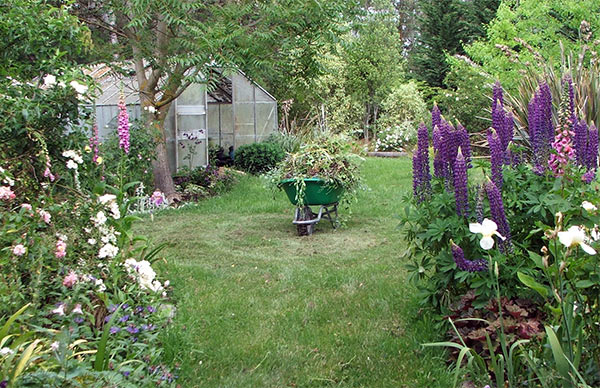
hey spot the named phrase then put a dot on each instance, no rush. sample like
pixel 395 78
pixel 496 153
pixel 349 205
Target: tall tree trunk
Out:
pixel 163 179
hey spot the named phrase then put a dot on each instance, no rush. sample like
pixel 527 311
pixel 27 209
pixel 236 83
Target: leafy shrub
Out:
pixel 204 182
pixel 404 103
pixel 466 97
pixel 288 142
pixel 257 158
pixel 397 137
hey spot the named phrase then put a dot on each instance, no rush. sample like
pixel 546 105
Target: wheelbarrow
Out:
pixel 316 193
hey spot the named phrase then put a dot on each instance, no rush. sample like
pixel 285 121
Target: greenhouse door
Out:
pixel 192 142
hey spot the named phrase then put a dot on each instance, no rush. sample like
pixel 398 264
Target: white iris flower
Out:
pixel 487 228
pixel 574 236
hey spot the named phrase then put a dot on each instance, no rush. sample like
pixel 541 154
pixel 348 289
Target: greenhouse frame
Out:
pixel 231 112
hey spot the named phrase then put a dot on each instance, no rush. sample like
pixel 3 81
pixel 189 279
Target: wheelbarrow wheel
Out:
pixel 305 214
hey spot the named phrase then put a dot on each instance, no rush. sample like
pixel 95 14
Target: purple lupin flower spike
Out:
pixel 498 215
pixel 509 130
pixel 464 144
pixel 467 265
pixel 496 156
pixel 423 151
pixel 497 117
pixel 592 148
pixel 498 93
pixel 479 204
pixel 438 159
pixel 450 144
pixel 436 116
pixel 461 191
pixel 546 111
pixel 580 141
pixel 417 178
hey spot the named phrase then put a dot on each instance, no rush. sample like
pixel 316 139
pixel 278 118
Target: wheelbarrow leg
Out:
pixel 304 214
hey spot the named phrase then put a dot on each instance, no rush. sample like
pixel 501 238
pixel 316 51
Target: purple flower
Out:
pixel 132 329
pixel 461 192
pixel 126 373
pixel 464 144
pixel 496 156
pixel 78 320
pixel 580 142
pixel 125 306
pixel 139 309
pixel 124 318
pixel 592 148
pixel 151 309
pixel 107 318
pixel 479 204
pixel 114 330
pixel 112 308
pixel 421 173
pixel 589 176
pixel 436 117
pixel 498 93
pixel 498 215
pixel 464 264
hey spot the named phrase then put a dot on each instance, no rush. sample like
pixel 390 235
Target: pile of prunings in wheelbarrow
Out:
pixel 317 178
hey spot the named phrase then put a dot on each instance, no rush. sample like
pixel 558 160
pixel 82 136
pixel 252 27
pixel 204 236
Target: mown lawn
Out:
pixel 259 306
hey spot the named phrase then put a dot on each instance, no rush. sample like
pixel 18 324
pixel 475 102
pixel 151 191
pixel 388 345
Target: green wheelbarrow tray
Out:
pixel 316 193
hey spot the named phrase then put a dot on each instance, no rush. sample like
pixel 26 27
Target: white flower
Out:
pixel 167 283
pixel 487 229
pixel 106 198
pixel 588 206
pixel 91 241
pixel 108 250
pixel 6 351
pixel 100 284
pixel 79 88
pixel 114 210
pixel 77 309
pixel 73 155
pixel 574 236
pixel 71 165
pixel 49 80
pixel 54 345
pixel 9 181
pixel 100 218
pixel 60 310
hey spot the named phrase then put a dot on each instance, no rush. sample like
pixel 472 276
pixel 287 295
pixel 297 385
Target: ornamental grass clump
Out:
pixel 330 158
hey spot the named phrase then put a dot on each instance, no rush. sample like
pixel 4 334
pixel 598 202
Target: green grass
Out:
pixel 259 306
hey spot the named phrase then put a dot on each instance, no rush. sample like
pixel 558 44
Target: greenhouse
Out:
pixel 231 112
